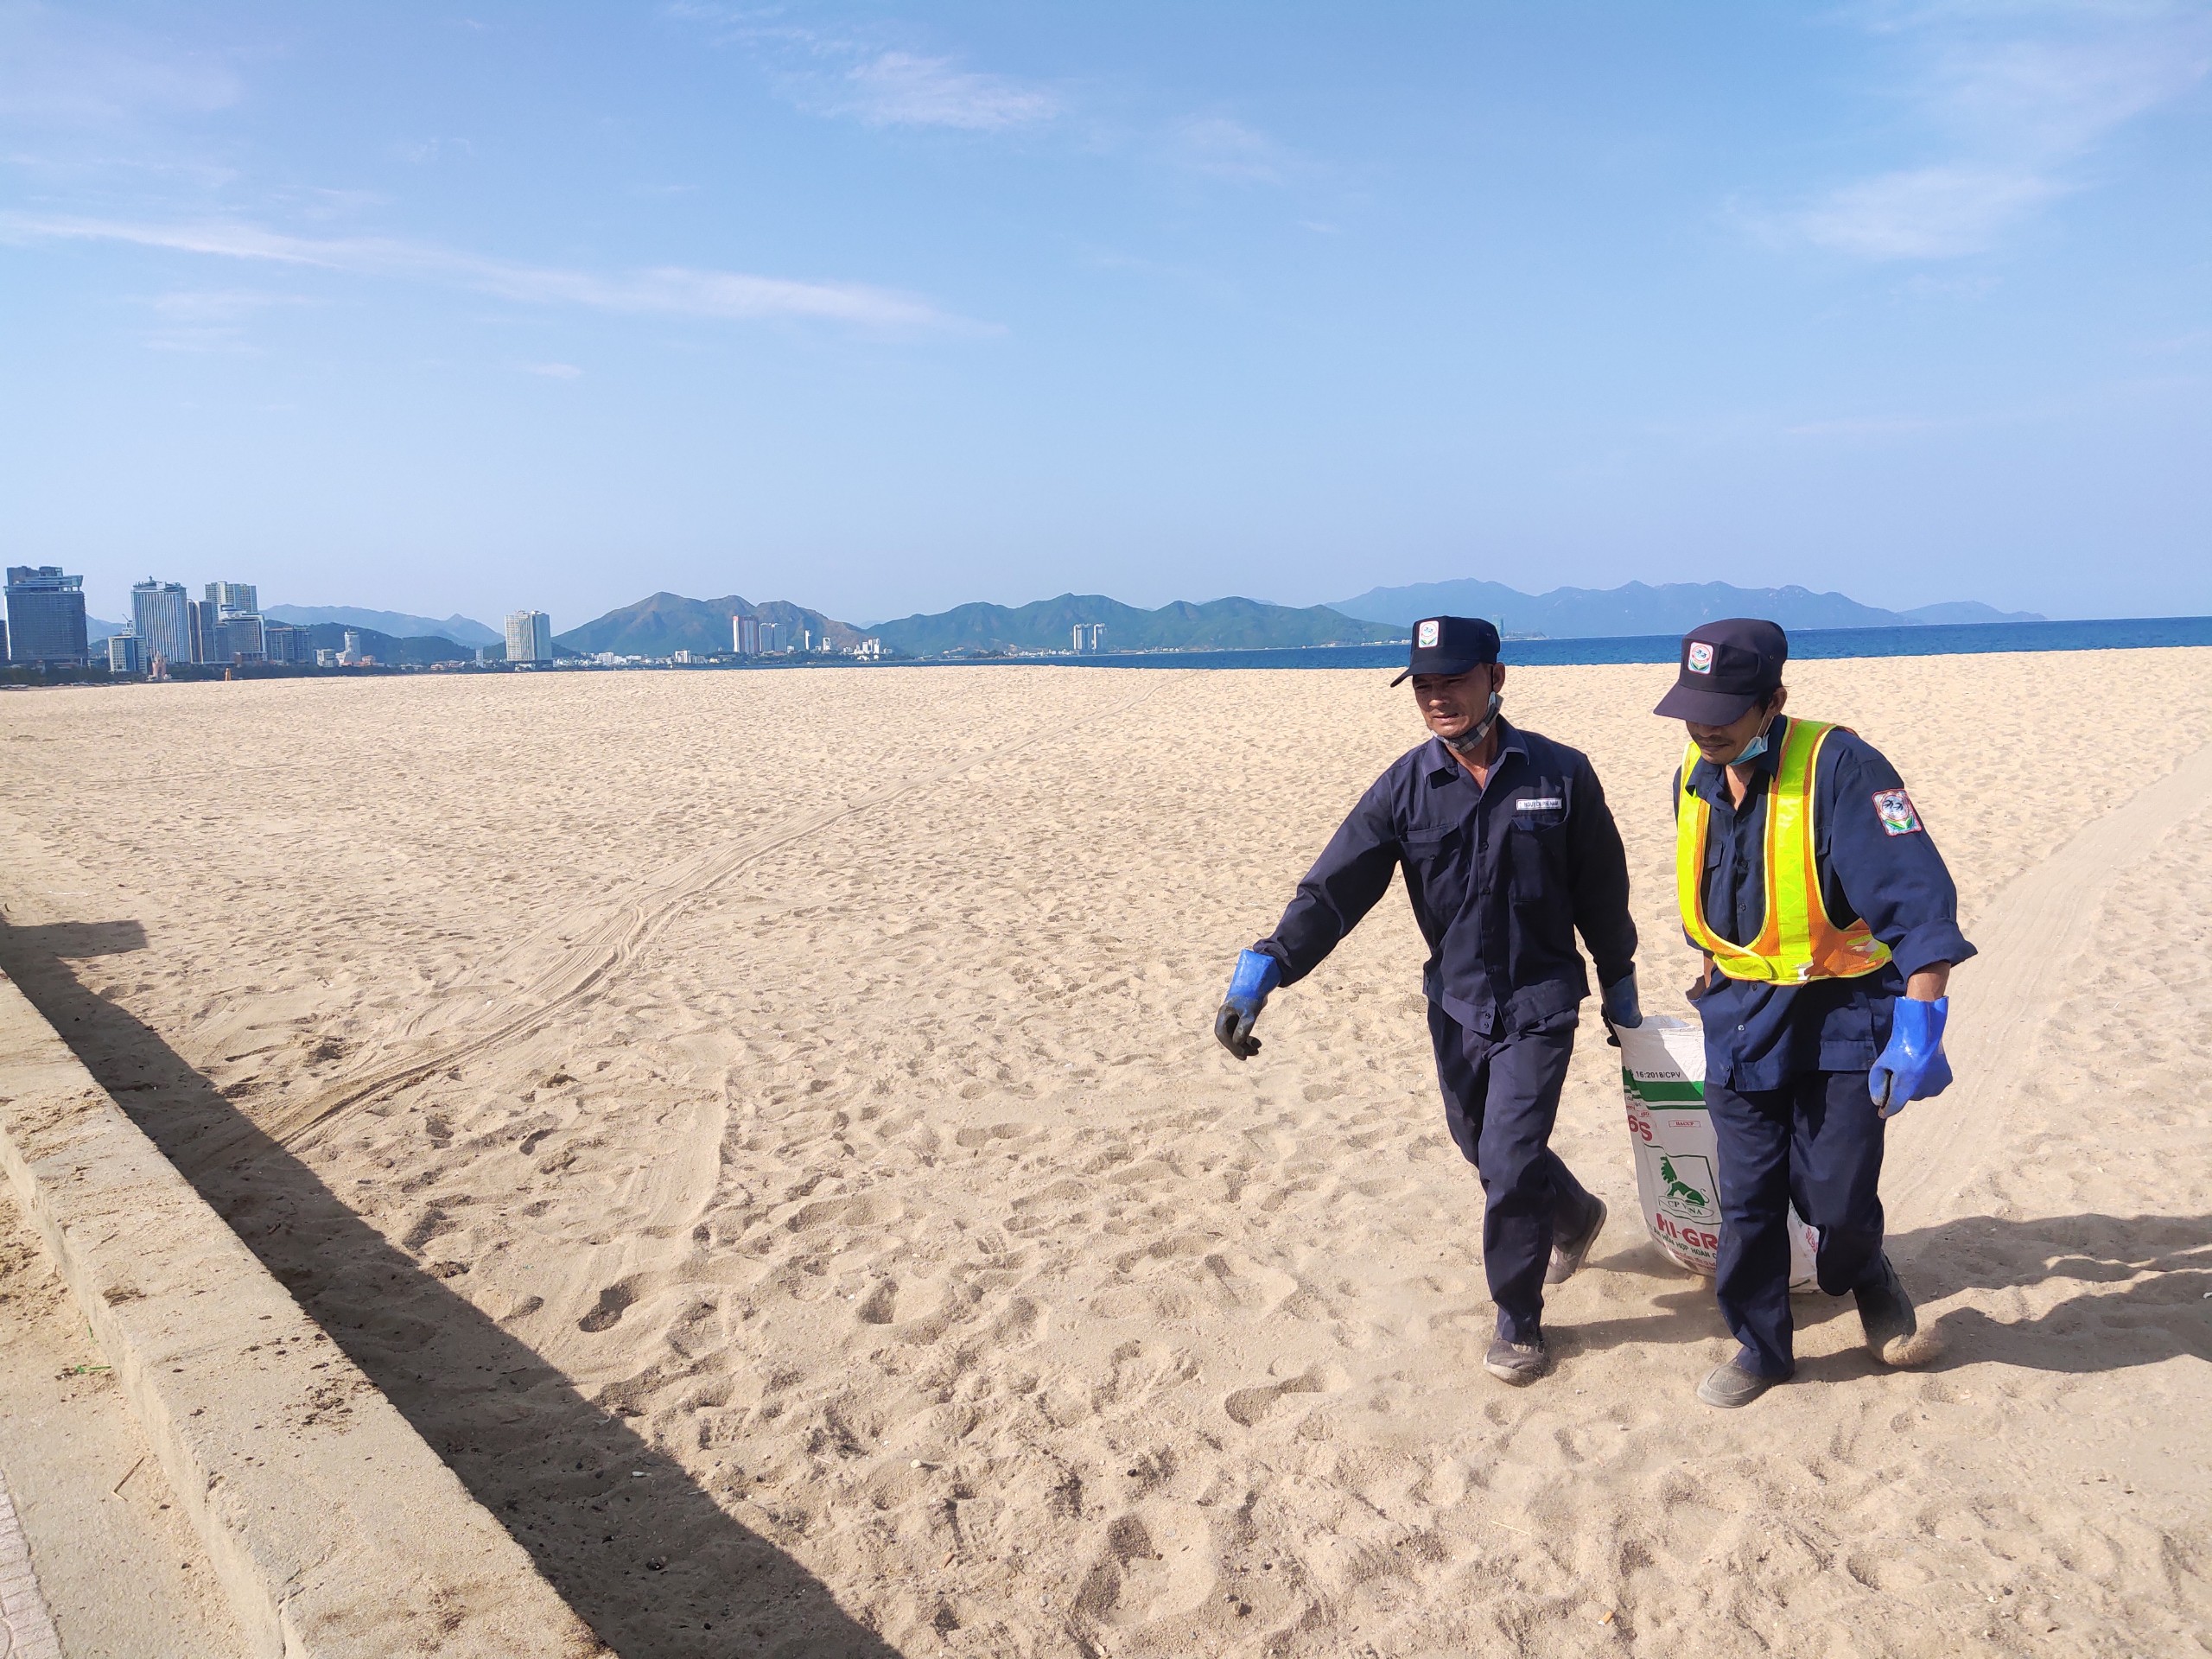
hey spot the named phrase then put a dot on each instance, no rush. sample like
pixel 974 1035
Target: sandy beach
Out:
pixel 765 1130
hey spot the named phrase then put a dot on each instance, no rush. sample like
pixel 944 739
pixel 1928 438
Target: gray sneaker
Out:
pixel 1730 1386
pixel 1568 1253
pixel 1517 1363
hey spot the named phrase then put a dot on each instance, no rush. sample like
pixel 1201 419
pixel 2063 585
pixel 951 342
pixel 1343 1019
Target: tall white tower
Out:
pixel 530 637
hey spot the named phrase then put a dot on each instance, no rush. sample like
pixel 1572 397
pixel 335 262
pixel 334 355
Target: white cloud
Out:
pixel 57 71
pixel 1927 212
pixel 218 304
pixel 553 371
pixel 672 290
pixel 1224 148
pixel 2017 98
pixel 879 86
pixel 900 89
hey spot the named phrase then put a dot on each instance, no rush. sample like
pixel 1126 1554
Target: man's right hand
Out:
pixel 1257 973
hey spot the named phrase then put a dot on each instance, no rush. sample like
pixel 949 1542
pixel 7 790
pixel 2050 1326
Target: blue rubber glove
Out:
pixel 1257 973
pixel 1912 1067
pixel 1620 1005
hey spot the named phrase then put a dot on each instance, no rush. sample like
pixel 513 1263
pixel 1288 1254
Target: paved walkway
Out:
pixel 95 1557
pixel 26 1630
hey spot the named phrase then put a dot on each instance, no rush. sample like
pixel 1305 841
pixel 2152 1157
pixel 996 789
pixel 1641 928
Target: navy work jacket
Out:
pixel 1500 876
pixel 1884 869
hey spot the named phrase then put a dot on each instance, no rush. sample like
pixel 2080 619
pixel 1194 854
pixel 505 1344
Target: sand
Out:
pixel 765 1129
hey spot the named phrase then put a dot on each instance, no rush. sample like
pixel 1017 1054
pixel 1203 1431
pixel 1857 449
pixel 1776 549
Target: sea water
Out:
pixel 1950 639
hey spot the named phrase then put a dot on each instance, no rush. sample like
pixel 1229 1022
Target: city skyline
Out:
pixel 894 311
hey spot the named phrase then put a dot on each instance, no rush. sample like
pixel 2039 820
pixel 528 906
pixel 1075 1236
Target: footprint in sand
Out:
pixel 1246 1407
pixel 1158 1563
pixel 612 1301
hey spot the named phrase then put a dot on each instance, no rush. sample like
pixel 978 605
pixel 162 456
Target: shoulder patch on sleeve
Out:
pixel 1894 808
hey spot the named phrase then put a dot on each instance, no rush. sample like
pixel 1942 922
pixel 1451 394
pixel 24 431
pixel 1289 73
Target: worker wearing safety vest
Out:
pixel 1829 926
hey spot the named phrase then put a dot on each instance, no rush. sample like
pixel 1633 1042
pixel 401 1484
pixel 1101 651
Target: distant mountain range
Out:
pixel 1047 625
pixel 662 624
pixel 461 630
pixel 415 650
pixel 1639 608
pixel 666 623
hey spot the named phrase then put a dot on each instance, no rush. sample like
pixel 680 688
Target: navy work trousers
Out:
pixel 1501 1097
pixel 1816 1142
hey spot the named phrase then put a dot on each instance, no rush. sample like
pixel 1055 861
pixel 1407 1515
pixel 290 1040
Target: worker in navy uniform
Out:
pixel 1508 849
pixel 1829 926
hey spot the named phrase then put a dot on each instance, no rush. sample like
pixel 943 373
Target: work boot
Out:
pixel 1568 1253
pixel 1893 1328
pixel 1517 1363
pixel 1732 1385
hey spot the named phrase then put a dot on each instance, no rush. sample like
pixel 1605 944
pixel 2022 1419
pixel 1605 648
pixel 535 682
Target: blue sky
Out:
pixel 883 309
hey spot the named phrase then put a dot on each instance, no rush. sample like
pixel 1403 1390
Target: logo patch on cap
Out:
pixel 1894 808
pixel 1700 658
pixel 1427 635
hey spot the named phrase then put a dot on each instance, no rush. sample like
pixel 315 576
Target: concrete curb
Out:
pixel 337 1532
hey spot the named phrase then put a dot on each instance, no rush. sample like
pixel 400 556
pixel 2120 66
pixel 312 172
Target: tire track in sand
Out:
pixel 2030 942
pixel 609 945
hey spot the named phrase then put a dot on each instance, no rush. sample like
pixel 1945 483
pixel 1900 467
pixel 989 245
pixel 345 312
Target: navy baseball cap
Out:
pixel 1449 645
pixel 1726 666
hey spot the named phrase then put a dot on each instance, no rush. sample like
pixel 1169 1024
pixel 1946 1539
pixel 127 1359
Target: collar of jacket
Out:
pixel 1442 761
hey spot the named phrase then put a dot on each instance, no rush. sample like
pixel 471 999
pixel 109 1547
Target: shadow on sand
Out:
pixel 2145 1283
pixel 649 1560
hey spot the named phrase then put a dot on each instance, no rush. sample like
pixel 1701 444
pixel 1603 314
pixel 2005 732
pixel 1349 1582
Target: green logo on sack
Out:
pixel 1688 1180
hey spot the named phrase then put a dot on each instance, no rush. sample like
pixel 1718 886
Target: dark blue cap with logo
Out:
pixel 1450 645
pixel 1726 666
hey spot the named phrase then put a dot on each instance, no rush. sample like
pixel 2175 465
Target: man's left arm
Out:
pixel 1599 872
pixel 1892 874
pixel 1888 865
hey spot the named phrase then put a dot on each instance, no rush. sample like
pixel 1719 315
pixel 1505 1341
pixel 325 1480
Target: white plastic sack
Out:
pixel 1677 1157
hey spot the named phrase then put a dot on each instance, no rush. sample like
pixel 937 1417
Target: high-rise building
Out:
pixel 202 631
pixel 350 653
pixel 530 637
pixel 744 635
pixel 239 637
pixel 3 640
pixel 157 613
pixel 46 615
pixel 123 654
pixel 771 636
pixel 283 643
pixel 234 598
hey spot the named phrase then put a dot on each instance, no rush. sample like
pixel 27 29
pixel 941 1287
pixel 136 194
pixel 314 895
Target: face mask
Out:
pixel 1755 748
pixel 1471 739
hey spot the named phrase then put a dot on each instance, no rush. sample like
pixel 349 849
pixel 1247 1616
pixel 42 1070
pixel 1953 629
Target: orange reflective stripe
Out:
pixel 1797 942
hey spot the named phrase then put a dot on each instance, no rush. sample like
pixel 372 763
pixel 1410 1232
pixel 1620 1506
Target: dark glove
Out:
pixel 1257 973
pixel 1619 1007
pixel 1912 1067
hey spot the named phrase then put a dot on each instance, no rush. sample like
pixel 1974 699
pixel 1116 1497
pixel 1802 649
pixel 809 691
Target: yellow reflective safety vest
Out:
pixel 1798 941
